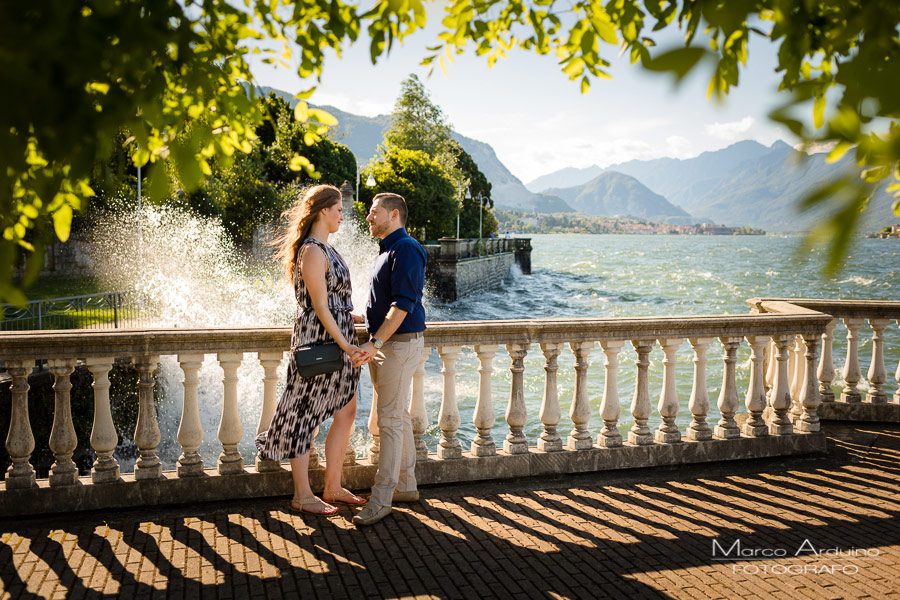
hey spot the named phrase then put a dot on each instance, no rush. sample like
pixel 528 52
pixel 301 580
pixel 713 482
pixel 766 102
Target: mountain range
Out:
pixel 746 183
pixel 616 194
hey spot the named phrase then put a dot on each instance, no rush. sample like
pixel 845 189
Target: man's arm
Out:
pixel 392 321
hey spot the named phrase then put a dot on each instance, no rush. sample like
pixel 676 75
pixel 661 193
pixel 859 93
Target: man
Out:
pixel 395 320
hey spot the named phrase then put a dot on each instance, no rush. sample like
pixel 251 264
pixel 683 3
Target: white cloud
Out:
pixel 357 106
pixel 732 130
pixel 679 147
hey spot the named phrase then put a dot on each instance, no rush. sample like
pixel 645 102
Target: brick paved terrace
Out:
pixel 639 533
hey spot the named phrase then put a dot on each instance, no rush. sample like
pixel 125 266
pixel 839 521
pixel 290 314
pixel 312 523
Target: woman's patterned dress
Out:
pixel 307 401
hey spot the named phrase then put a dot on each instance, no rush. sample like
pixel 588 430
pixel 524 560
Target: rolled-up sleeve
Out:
pixel 407 277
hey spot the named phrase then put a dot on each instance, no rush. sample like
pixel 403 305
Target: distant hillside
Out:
pixel 363 135
pixel 745 184
pixel 614 194
pixel 564 178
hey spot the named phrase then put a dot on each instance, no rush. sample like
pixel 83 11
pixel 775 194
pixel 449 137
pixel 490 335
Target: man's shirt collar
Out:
pixel 386 244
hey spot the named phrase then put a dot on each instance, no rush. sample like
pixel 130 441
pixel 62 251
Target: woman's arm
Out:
pixel 313 267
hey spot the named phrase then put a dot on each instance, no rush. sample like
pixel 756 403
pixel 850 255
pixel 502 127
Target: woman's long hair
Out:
pixel 300 219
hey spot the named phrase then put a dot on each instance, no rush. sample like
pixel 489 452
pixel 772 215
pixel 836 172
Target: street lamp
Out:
pixel 480 199
pixel 370 181
pixel 461 196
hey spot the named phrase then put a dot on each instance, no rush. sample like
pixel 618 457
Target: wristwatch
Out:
pixel 376 342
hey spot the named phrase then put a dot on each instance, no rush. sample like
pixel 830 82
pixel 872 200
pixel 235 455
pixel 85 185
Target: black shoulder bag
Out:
pixel 319 358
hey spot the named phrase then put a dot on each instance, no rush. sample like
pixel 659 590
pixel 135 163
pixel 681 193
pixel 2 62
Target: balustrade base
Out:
pixel 863 411
pixel 579 443
pixel 267 465
pixel 726 432
pixel 698 435
pixel 107 475
pixel 876 398
pixel 482 449
pixel 641 439
pixel 449 452
pixel 667 437
pixel 554 445
pixel 21 482
pixel 851 397
pixel 755 430
pixel 210 487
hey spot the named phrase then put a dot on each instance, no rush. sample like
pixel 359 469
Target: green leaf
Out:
pixel 679 61
pixel 819 112
pixel 62 222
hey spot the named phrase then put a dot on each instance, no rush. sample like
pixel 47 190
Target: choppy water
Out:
pixel 627 276
pixel 199 280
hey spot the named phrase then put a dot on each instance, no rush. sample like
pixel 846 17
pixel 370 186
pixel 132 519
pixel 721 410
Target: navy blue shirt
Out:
pixel 398 277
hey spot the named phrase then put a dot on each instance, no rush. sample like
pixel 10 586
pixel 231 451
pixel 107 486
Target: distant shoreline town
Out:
pixel 889 232
pixel 525 223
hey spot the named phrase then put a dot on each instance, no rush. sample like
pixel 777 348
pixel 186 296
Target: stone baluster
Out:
pixel 877 374
pixel 755 401
pixel 699 403
pixel 667 432
pixel 417 413
pixel 146 432
pixel 190 431
pixel 270 362
pixel 375 446
pixel 770 367
pixel 728 402
pixel 780 399
pixel 825 371
pixel 63 439
pixel 640 434
pixel 809 391
pixel 580 413
pixel 851 371
pixel 609 406
pixel 350 452
pixel 798 375
pixel 515 442
pixel 104 437
pixel 230 430
pixel 449 446
pixel 20 439
pixel 550 413
pixel 897 379
pixel 483 444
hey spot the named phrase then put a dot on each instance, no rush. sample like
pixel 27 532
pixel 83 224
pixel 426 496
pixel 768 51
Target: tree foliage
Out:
pixel 425 186
pixel 417 123
pixel 77 72
pixel 478 199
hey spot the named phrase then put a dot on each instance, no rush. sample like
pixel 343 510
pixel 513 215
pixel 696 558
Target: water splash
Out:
pixel 191 274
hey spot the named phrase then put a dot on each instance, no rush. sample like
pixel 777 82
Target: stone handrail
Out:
pixel 775 413
pixel 854 314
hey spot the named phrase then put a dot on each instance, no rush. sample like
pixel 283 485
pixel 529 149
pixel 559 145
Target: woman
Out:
pixel 321 282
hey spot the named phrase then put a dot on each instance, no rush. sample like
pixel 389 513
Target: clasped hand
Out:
pixel 358 356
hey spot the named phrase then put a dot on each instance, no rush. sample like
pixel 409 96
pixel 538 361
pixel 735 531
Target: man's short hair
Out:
pixel 393 202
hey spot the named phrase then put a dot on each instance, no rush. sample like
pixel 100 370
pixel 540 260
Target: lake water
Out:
pixel 574 276
pixel 604 276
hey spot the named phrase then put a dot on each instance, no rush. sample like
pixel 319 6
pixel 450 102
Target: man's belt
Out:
pixel 405 337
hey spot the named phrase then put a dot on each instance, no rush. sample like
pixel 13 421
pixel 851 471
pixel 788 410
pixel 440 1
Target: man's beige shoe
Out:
pixel 370 514
pixel 412 496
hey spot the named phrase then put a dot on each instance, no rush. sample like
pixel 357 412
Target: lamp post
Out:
pixel 461 196
pixel 480 199
pixel 370 181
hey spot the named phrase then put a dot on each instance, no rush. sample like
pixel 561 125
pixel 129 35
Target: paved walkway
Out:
pixel 668 532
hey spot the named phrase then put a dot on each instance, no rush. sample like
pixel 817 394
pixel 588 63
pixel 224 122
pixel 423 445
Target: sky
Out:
pixel 538 121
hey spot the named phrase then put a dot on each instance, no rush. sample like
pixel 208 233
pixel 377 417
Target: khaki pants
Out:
pixel 392 372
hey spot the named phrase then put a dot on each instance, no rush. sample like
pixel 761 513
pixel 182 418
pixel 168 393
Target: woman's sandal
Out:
pixel 300 506
pixel 343 496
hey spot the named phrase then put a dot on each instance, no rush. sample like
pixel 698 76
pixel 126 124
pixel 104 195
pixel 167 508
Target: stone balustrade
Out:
pixel 851 403
pixel 780 408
